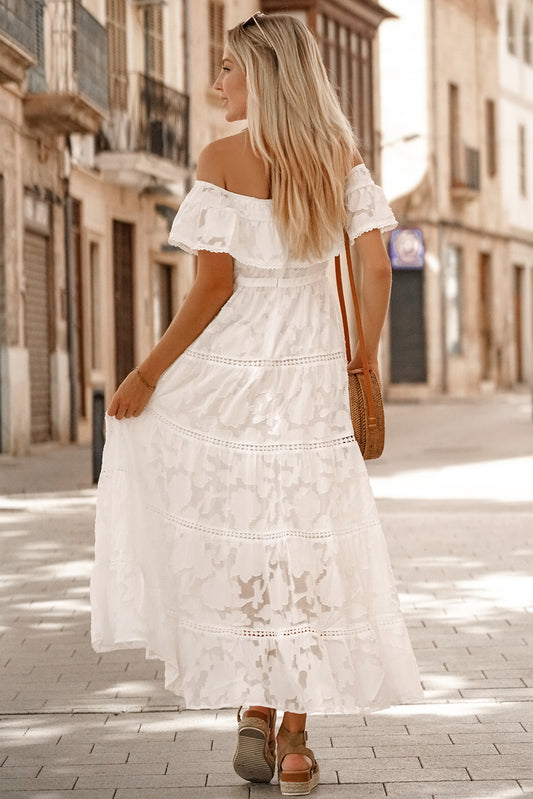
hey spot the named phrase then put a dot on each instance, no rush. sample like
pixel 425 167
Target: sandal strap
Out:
pixel 293 743
pixel 269 718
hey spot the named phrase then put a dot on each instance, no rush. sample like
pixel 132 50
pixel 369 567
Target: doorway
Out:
pixel 123 242
pixel 485 320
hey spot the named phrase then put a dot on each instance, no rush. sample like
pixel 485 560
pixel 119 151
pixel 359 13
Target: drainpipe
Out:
pixel 72 339
pixel 436 174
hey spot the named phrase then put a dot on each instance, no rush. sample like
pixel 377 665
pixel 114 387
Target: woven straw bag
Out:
pixel 366 403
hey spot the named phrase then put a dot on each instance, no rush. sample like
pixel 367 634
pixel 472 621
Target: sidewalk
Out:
pixel 455 491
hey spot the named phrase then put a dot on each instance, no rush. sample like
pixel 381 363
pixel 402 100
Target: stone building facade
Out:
pixel 446 164
pixel 104 107
pixel 515 153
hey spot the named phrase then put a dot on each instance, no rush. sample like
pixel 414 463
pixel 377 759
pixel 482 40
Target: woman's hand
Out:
pixel 356 364
pixel 130 398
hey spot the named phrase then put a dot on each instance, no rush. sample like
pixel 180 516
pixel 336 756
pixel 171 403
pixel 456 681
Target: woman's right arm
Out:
pixel 375 294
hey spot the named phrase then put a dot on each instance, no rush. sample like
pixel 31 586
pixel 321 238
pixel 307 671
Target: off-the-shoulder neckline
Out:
pixel 259 199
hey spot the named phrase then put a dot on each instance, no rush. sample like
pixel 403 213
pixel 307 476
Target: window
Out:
pixel 454 134
pixel 511 33
pixel 153 38
pixel 452 296
pixel 117 51
pixel 347 55
pixel 522 160
pixel 216 38
pixel 526 34
pixel 490 111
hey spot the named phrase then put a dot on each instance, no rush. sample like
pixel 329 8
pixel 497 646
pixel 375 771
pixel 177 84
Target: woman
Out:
pixel 237 537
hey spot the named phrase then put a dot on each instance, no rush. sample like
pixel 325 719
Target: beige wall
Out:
pixel 459 45
pixel 29 158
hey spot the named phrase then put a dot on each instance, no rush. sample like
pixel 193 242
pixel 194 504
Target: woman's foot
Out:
pixel 298 771
pixel 255 755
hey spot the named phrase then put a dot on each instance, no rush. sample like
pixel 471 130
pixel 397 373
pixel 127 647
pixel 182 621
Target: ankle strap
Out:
pixel 257 714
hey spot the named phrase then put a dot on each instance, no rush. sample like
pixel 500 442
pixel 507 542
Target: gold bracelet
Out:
pixel 143 379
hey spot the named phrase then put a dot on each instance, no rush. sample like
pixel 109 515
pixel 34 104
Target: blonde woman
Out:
pixel 237 537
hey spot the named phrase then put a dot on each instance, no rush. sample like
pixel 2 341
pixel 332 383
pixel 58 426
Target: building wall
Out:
pixel 516 109
pixel 31 165
pixel 416 73
pixel 104 199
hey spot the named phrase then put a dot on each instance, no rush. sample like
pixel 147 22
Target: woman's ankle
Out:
pixel 294 722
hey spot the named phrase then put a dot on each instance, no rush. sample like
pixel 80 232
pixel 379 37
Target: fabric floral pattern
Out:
pixel 237 537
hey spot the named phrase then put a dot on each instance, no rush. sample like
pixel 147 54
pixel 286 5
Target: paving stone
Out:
pixel 431 750
pixel 14 784
pixel 503 767
pixel 235 792
pixel 525 749
pixel 497 789
pixel 495 738
pixel 53 794
pixel 467 729
pixel 9 771
pixel 176 780
pixel 395 773
pixel 502 693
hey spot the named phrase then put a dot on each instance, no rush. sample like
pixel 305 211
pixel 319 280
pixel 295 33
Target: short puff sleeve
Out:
pixel 366 205
pixel 214 219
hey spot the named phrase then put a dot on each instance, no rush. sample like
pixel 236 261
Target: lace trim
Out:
pixel 355 631
pixel 245 535
pixel 299 361
pixel 296 446
pixel 383 227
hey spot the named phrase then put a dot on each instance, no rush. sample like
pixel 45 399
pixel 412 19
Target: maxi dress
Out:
pixel 237 537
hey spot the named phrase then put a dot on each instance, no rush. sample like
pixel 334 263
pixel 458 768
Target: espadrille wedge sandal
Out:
pixel 255 756
pixel 296 782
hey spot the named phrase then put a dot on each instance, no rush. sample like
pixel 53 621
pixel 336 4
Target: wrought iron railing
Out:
pixel 17 21
pixel 465 168
pixel 163 120
pixel 156 121
pixel 74 58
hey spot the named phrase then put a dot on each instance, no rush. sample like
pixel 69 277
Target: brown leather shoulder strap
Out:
pixel 360 332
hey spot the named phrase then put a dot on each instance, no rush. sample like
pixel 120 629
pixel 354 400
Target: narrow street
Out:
pixel 455 491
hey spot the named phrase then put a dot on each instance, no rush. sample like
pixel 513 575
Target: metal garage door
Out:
pixel 407 327
pixel 38 333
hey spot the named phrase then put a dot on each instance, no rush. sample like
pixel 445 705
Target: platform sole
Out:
pixel 249 761
pixel 299 788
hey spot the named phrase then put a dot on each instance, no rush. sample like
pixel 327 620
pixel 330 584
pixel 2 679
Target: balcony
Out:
pixel 145 144
pixel 465 173
pixel 18 39
pixel 67 90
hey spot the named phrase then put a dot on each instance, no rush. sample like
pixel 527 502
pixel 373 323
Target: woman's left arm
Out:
pixel 211 289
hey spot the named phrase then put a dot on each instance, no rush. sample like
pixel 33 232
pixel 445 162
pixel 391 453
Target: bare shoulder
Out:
pixel 357 160
pixel 210 164
pixel 214 159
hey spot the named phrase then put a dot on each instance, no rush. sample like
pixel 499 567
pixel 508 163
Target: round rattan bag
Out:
pixel 369 430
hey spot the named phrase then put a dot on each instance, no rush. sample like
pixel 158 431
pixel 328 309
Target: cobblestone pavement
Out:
pixel 454 490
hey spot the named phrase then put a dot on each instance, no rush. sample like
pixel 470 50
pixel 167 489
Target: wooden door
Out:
pixel 123 242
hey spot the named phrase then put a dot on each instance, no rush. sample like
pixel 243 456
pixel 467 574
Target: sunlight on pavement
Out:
pixel 507 480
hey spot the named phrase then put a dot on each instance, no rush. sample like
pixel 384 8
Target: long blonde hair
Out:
pixel 297 127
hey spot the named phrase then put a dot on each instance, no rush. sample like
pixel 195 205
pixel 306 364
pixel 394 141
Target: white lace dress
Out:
pixel 237 537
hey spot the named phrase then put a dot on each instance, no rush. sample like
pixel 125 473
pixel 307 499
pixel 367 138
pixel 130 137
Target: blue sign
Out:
pixel 406 248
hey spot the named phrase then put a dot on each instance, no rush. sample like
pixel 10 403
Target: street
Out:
pixel 455 493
